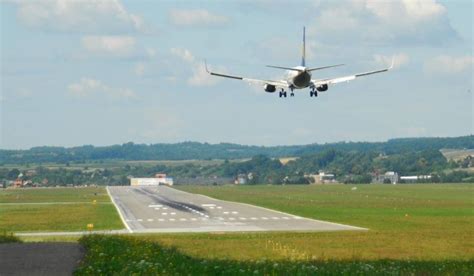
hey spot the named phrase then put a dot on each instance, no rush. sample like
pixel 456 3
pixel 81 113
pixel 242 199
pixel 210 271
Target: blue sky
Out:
pixel 108 72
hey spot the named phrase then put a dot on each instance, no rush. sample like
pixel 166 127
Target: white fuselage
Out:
pixel 299 78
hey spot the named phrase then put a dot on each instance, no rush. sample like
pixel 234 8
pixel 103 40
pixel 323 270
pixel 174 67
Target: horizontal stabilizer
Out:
pixel 285 68
pixel 324 67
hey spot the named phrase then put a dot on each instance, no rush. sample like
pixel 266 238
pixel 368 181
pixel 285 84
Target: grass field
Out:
pixel 424 222
pixel 414 229
pixel 56 209
pixel 122 255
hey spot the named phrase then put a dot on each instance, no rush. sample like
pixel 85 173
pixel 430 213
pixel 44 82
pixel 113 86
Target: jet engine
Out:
pixel 322 87
pixel 269 88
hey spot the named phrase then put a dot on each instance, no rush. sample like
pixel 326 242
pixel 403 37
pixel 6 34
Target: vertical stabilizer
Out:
pixel 303 54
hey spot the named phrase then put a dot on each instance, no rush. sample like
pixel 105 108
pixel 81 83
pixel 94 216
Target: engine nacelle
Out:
pixel 269 88
pixel 322 87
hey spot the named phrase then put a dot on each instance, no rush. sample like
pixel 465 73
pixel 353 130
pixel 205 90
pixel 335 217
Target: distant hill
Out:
pixel 204 151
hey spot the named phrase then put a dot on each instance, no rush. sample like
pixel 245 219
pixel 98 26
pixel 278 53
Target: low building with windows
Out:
pixel 159 179
pixel 415 178
pixel 387 178
pixel 321 178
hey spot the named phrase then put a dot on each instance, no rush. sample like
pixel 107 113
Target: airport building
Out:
pixel 321 178
pixel 415 178
pixel 159 179
pixel 387 178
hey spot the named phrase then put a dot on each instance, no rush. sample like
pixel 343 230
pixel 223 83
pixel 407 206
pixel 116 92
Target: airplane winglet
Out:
pixel 391 65
pixel 205 66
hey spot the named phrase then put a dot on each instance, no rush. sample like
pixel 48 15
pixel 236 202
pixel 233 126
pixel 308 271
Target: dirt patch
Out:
pixel 40 258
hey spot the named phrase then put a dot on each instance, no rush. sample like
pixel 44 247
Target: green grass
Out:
pixel 414 229
pixel 119 255
pixel 39 195
pixel 9 238
pixel 423 222
pixel 57 209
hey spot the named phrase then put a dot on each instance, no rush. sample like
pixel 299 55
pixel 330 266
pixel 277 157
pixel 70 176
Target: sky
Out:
pixel 105 72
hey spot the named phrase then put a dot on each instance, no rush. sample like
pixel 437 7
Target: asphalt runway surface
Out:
pixel 39 258
pixel 164 209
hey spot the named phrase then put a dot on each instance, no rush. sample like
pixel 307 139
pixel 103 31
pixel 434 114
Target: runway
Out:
pixel 164 209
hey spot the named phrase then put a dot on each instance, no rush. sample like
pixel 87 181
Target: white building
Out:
pixel 388 176
pixel 322 178
pixel 160 179
pixel 415 178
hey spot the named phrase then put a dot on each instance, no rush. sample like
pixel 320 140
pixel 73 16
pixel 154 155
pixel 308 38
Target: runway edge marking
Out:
pixel 118 210
pixel 268 209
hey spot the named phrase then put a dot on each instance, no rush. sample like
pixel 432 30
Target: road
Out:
pixel 164 209
pixel 50 258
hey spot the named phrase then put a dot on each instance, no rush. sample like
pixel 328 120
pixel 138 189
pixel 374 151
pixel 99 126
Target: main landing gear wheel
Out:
pixel 282 93
pixel 313 93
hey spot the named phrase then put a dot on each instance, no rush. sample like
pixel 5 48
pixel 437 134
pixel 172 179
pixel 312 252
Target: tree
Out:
pixel 13 174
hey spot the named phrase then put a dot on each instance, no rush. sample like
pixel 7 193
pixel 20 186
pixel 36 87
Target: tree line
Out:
pixel 348 167
pixel 204 151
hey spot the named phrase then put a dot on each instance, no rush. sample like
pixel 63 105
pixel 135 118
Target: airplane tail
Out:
pixel 303 54
pixel 303 60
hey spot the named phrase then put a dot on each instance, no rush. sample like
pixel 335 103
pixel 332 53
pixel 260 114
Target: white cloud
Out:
pixel 88 87
pixel 199 76
pixel 411 10
pixel 197 17
pixel 398 60
pixel 139 69
pixel 150 52
pixel 383 22
pixel 116 45
pixel 449 65
pixel 83 16
pixel 183 54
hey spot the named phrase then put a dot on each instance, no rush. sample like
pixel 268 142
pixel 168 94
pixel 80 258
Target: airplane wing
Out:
pixel 277 83
pixel 317 83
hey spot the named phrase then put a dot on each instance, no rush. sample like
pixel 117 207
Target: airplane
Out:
pixel 299 77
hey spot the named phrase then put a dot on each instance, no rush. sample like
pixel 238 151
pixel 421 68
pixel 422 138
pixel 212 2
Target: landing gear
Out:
pixel 292 94
pixel 313 92
pixel 282 93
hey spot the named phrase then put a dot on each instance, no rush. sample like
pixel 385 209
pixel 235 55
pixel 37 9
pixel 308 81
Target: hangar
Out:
pixel 159 179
